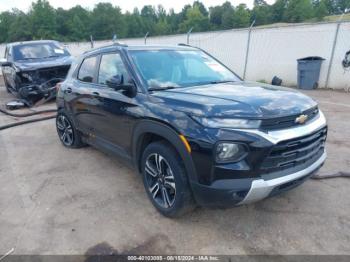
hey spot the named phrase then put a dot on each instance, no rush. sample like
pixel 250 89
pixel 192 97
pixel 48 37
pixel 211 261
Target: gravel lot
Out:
pixel 59 201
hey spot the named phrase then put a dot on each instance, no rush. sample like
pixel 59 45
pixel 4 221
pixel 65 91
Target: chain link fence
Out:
pixel 271 51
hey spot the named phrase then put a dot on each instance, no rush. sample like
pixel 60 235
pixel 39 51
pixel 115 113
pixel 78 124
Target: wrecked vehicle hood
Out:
pixel 238 99
pixel 35 64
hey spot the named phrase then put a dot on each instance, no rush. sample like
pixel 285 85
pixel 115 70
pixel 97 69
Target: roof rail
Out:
pixel 183 44
pixel 106 46
pixel 120 44
pixel 196 47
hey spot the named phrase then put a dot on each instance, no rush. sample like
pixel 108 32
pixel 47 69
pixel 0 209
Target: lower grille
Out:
pixel 295 152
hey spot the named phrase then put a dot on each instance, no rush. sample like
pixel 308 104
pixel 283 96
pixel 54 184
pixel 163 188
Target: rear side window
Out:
pixel 112 65
pixel 87 69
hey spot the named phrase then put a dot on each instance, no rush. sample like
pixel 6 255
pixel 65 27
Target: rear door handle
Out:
pixel 68 90
pixel 95 93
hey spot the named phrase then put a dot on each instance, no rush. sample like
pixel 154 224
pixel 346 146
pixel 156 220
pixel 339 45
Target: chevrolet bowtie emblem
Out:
pixel 301 119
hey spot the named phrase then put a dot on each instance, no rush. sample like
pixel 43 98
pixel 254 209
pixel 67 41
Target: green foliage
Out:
pixel 134 23
pixel 194 19
pixel 42 17
pixel 18 30
pixel 43 21
pixel 216 13
pixel 241 16
pixel 227 18
pixel 342 6
pixel 77 24
pixel 321 10
pixel 7 21
pixel 298 11
pixel 277 10
pixel 261 13
pixel 107 21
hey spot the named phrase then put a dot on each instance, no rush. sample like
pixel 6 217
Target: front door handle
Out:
pixel 95 93
pixel 68 90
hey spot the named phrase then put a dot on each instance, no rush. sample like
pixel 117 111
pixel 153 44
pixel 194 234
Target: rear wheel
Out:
pixel 68 134
pixel 165 180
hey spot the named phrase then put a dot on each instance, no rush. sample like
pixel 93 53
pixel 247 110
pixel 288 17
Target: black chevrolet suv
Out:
pixel 195 131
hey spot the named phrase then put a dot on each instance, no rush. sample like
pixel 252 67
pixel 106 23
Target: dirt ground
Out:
pixel 59 201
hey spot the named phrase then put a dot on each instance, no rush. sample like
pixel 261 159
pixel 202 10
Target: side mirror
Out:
pixel 4 62
pixel 117 83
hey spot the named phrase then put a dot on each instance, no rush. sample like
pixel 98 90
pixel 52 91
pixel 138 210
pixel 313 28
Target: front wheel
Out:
pixel 67 133
pixel 165 180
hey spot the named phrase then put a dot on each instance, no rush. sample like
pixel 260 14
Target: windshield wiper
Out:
pixel 223 81
pixel 28 58
pixel 160 88
pixel 51 56
pixel 36 58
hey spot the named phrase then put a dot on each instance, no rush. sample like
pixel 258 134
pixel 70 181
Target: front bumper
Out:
pixel 261 188
pixel 233 192
pixel 238 191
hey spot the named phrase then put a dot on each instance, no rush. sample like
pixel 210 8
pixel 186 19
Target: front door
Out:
pixel 113 117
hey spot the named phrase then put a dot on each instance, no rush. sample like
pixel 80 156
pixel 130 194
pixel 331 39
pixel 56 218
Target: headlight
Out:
pixel 227 122
pixel 28 76
pixel 229 152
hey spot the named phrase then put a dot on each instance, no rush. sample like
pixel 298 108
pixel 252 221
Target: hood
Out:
pixel 30 65
pixel 239 99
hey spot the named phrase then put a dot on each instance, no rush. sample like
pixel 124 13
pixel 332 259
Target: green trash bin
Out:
pixel 309 72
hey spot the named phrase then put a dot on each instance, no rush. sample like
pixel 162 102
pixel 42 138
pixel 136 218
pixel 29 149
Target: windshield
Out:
pixel 173 68
pixel 38 51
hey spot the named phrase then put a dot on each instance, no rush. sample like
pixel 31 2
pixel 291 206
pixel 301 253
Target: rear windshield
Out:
pixel 38 51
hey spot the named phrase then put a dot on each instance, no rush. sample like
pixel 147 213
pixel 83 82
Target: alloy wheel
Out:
pixel 65 130
pixel 160 180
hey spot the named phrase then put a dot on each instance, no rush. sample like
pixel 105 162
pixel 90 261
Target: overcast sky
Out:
pixel 124 4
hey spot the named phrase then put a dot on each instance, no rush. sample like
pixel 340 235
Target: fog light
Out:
pixel 229 152
pixel 240 195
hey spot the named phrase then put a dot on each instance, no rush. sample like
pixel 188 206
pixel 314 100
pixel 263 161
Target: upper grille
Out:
pixel 295 152
pixel 53 72
pixel 288 121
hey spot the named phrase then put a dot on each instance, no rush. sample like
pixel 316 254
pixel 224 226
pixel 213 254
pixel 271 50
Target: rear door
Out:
pixel 82 94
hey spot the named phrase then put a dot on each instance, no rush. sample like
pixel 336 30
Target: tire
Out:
pixel 165 180
pixel 69 136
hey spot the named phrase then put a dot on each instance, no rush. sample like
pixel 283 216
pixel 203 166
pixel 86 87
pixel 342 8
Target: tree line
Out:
pixel 104 21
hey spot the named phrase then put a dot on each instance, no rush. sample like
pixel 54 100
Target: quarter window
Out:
pixel 112 65
pixel 87 69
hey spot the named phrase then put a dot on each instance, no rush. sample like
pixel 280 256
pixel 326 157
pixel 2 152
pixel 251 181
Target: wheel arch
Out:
pixel 148 131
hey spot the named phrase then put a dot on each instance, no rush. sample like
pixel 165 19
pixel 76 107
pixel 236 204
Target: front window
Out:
pixel 112 65
pixel 174 68
pixel 38 51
